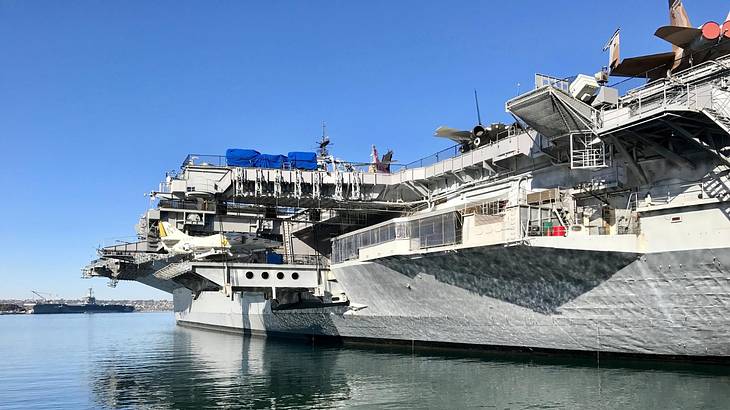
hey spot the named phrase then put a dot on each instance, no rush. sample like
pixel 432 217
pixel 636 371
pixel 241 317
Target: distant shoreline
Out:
pixel 22 306
pixel 26 313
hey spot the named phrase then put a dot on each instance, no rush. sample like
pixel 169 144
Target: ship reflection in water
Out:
pixel 199 368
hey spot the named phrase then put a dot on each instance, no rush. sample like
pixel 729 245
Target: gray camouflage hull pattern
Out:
pixel 673 303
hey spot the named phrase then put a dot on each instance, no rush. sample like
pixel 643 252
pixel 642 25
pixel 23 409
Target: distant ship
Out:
pixel 89 305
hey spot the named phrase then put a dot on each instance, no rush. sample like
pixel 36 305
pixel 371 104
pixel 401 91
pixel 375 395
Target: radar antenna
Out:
pixel 323 142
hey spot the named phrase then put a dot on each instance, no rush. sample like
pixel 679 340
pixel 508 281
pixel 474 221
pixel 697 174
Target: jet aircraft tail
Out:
pixel 678 16
pixel 169 232
pixel 679 33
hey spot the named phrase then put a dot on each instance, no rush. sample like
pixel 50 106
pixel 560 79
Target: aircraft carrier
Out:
pixel 598 221
pixel 87 305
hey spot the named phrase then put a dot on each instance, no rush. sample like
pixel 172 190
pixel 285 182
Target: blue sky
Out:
pixel 98 98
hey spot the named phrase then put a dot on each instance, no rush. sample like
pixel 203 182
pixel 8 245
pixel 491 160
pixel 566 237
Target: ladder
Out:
pixel 286 232
pixel 587 151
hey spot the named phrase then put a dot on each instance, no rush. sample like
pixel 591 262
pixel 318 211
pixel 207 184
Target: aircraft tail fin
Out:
pixel 375 160
pixel 678 15
pixel 168 231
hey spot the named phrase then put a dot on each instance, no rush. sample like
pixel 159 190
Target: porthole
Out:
pixel 265 275
pixel 295 276
pixel 249 275
pixel 280 275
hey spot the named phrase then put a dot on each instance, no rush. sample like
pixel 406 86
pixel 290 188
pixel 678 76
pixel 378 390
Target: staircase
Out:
pixel 174 270
pixel 716 186
pixel 719 118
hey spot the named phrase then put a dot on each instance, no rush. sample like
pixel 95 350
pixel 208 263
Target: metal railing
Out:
pixel 690 89
pixel 188 205
pixel 307 259
pixel 453 151
pixel 456 151
pixel 120 245
pixel 221 161
pixel 126 249
pixel 424 232
pixel 204 160
pixel 446 153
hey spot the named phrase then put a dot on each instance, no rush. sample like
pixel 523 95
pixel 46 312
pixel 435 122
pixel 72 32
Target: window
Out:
pixel 438 230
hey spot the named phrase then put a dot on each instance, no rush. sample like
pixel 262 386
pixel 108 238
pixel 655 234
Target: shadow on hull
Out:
pixel 540 279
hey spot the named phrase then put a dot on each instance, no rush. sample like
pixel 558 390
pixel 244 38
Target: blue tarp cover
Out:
pixel 241 157
pixel 253 159
pixel 270 161
pixel 274 258
pixel 303 160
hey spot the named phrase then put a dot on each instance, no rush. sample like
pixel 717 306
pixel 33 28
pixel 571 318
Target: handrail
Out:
pixel 204 160
pixel 453 151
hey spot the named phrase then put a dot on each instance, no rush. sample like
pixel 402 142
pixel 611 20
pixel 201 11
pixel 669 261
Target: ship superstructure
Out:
pixel 595 222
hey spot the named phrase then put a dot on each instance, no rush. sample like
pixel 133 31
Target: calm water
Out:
pixel 144 360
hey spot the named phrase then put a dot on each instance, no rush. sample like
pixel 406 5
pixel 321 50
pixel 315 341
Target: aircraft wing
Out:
pixel 454 134
pixel 681 37
pixel 639 66
pixel 250 242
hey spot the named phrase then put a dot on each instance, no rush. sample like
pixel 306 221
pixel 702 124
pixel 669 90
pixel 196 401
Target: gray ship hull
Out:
pixel 518 297
pixel 576 229
pixel 61 308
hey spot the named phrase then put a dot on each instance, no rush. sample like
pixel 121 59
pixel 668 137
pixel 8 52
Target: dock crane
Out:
pixel 44 298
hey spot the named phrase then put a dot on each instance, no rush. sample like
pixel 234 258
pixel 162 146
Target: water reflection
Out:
pixel 202 368
pixel 198 368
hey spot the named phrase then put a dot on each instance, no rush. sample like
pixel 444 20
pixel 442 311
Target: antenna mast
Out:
pixel 476 102
pixel 323 142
